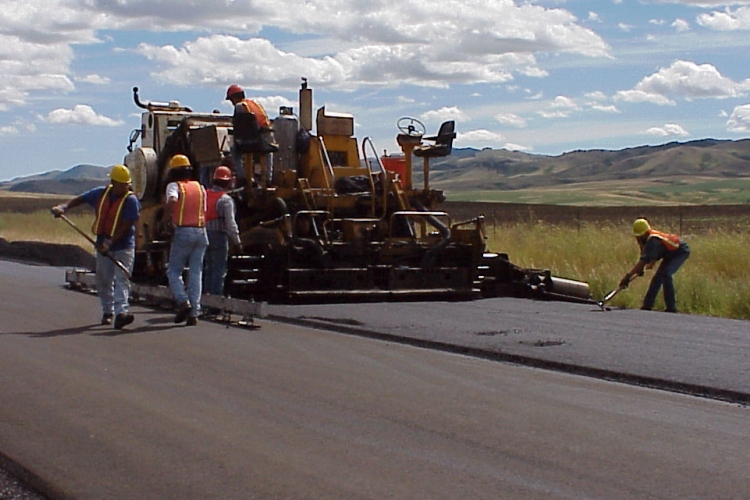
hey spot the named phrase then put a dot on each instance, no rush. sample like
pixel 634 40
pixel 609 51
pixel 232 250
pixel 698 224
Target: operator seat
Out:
pixel 443 142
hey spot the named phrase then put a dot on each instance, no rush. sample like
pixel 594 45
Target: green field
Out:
pixel 709 191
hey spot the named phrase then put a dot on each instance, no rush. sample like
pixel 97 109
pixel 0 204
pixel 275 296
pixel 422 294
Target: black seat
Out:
pixel 443 142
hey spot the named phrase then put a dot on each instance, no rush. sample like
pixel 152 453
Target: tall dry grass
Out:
pixel 712 282
pixel 43 226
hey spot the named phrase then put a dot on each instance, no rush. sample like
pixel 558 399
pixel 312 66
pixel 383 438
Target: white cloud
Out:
pixel 444 114
pixel 739 121
pixel 374 43
pixel 641 96
pixel 511 120
pixel 605 109
pixel 553 114
pixel 681 25
pixel 427 44
pixel 94 79
pixel 728 20
pixel 562 101
pixel 700 3
pixel 81 114
pixel 668 130
pixel 510 146
pixel 480 138
pixel 687 80
pixel 560 107
pixel 596 95
pixel 18 127
pixel 273 103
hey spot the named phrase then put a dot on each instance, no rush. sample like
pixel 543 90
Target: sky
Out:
pixel 543 77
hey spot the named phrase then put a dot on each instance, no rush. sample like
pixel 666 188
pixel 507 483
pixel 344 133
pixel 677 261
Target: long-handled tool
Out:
pixel 611 295
pixel 106 254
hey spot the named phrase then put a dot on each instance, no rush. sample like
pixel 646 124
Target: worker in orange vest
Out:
pixel 221 227
pixel 186 205
pixel 261 142
pixel 117 209
pixel 656 245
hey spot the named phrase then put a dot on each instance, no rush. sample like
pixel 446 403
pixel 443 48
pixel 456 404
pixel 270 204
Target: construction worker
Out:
pixel 186 205
pixel 117 209
pixel 221 227
pixel 236 95
pixel 255 137
pixel 654 246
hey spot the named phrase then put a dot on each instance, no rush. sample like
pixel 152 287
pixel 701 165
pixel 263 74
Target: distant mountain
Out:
pixel 703 167
pixel 73 181
pixel 510 170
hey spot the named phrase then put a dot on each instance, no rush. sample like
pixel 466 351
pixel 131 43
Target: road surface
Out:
pixel 159 411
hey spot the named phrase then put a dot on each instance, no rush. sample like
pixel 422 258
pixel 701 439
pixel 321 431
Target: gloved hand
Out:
pixel 58 210
pixel 625 281
pixel 104 246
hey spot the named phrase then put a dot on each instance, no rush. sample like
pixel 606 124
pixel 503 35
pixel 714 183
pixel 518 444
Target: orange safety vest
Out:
pixel 190 208
pixel 212 200
pixel 108 214
pixel 670 241
pixel 260 114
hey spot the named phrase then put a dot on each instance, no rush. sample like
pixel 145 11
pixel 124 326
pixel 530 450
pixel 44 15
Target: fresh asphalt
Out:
pixel 697 355
pixel 82 393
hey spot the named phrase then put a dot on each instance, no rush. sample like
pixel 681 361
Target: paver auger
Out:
pixel 323 217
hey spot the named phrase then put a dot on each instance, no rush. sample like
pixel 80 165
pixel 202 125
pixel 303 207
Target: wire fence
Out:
pixel 684 220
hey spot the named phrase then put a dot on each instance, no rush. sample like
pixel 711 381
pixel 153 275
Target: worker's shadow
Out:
pixel 152 325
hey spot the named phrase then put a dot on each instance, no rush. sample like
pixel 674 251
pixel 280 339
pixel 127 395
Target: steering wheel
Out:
pixel 411 126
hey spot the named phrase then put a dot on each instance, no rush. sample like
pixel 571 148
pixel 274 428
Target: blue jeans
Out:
pixel 112 285
pixel 215 263
pixel 187 250
pixel 663 278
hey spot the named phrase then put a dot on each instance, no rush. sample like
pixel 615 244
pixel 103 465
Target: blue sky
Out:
pixel 545 77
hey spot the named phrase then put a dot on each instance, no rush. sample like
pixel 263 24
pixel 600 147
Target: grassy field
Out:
pixel 699 191
pixel 26 217
pixel 591 244
pixel 712 282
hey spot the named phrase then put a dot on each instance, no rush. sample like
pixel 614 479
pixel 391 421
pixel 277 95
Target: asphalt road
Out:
pixel 677 352
pixel 163 411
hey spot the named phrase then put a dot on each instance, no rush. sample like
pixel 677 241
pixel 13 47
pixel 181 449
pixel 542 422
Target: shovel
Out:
pixel 611 295
pixel 106 254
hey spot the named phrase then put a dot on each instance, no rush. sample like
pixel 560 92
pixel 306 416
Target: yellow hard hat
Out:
pixel 120 173
pixel 641 227
pixel 179 161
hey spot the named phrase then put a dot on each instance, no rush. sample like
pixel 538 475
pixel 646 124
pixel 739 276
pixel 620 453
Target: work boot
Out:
pixel 182 312
pixel 123 319
pixel 107 318
pixel 191 321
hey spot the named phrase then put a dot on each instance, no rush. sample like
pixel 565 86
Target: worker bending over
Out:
pixel 655 245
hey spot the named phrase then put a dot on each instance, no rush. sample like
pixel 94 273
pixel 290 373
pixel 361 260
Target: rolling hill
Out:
pixel 705 171
pixel 699 172
pixel 73 181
